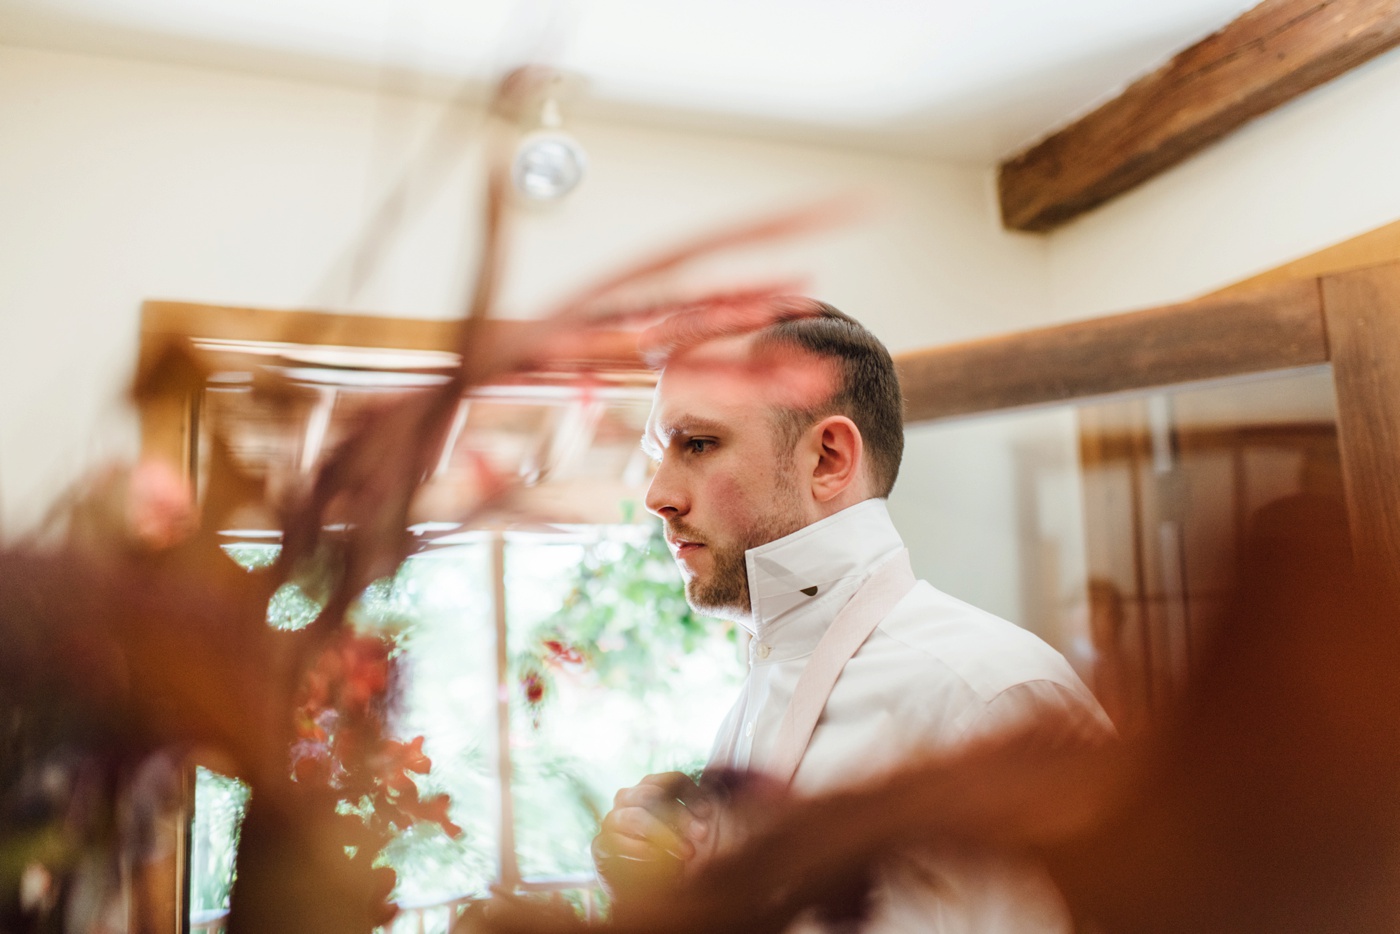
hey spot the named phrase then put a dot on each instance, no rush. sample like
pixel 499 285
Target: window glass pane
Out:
pixel 439 607
pixel 442 602
pixel 219 803
pixel 614 678
pixel 611 677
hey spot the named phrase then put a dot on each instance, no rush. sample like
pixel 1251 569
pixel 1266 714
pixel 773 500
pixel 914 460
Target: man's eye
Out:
pixel 699 445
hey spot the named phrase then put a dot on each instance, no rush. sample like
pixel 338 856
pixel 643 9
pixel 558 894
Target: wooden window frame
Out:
pixel 170 430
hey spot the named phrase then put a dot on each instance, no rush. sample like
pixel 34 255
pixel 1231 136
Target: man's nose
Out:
pixel 665 498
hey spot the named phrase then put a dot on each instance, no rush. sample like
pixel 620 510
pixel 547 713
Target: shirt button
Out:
pixel 748 728
pixel 764 650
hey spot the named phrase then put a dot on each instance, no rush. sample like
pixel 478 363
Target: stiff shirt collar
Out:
pixel 798 583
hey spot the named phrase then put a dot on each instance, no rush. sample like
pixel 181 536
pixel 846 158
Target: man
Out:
pixel 776 450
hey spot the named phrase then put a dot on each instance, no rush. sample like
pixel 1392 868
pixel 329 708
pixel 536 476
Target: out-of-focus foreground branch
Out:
pixel 135 640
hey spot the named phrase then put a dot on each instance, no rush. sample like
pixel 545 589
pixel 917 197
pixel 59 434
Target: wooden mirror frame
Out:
pixel 1348 319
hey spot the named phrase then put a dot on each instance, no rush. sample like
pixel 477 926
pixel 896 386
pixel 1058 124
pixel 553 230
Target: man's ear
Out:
pixel 840 454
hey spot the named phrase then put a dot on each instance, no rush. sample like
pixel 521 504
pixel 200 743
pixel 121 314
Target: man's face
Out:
pixel 724 484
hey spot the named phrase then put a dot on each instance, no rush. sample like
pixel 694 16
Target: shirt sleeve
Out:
pixel 1066 716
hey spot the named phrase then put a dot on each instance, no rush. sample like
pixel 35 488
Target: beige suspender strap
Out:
pixel 872 602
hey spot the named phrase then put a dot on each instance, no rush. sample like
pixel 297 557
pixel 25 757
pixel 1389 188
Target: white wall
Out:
pixel 122 181
pixel 1317 171
pixel 992 512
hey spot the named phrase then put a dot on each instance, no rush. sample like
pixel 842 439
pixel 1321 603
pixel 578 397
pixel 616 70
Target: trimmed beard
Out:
pixel 725 592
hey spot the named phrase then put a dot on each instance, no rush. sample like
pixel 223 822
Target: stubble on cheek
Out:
pixel 724 589
pixel 721 584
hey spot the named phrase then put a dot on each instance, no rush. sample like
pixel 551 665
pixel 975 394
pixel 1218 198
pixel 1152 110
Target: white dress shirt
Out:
pixel 935 673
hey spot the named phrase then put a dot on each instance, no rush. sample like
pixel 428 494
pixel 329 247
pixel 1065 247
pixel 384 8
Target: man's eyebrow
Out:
pixel 685 426
pixel 693 425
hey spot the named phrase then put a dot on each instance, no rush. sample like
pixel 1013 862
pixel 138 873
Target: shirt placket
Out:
pixel 755 692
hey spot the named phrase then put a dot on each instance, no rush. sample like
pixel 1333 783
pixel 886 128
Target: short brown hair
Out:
pixel 868 391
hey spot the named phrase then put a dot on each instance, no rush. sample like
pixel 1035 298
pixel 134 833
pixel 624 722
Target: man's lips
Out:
pixel 684 547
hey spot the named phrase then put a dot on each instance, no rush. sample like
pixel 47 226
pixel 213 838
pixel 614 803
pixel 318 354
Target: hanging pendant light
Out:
pixel 549 163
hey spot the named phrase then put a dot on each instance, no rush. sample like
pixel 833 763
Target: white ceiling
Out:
pixel 957 80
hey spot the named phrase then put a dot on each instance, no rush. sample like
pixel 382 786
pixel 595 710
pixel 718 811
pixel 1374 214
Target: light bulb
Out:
pixel 548 165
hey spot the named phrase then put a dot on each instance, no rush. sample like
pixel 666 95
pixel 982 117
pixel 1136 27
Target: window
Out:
pixel 594 689
pixel 587 674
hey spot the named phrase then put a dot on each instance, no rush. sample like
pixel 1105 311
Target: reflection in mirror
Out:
pixel 1107 527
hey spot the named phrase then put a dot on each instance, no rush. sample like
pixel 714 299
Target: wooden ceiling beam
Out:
pixel 1270 328
pixel 1271 54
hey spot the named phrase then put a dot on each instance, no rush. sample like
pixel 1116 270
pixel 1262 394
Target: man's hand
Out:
pixel 651 834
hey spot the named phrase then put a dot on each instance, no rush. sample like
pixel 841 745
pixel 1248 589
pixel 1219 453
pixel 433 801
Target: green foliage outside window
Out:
pixel 218 807
pixel 613 677
pixel 620 679
pixel 625 619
